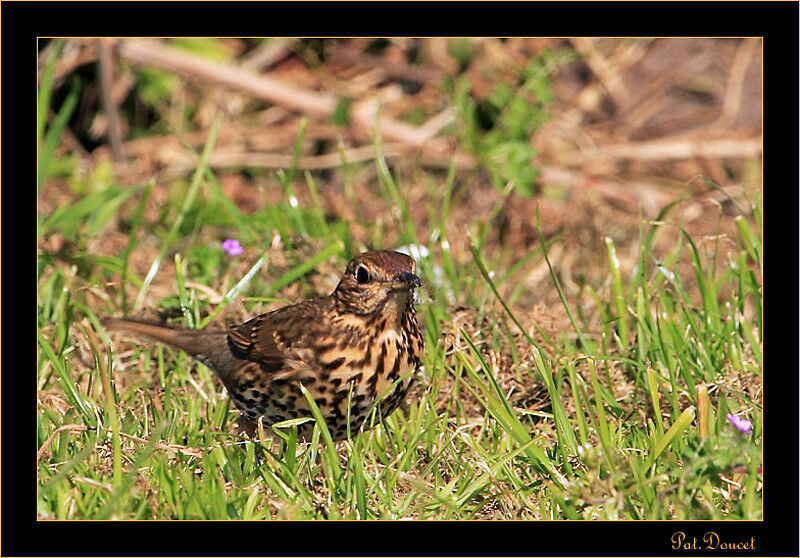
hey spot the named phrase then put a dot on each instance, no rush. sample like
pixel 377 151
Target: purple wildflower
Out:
pixel 742 425
pixel 232 247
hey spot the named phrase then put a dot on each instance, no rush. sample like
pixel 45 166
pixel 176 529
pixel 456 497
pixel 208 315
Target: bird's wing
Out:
pixel 278 334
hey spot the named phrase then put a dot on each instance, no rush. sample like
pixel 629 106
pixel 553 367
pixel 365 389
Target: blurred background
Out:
pixel 596 133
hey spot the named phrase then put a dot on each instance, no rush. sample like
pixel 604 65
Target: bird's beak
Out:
pixel 407 281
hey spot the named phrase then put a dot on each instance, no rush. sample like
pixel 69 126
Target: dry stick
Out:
pixel 626 56
pixel 240 159
pixel 605 72
pixel 311 162
pixel 82 428
pixel 575 179
pixel 106 77
pixel 391 69
pixel 119 90
pixel 69 139
pixel 267 55
pixel 266 88
pixel 733 93
pixel 69 62
pixel 653 95
pixel 365 113
pixel 141 51
pixel 257 138
pixel 657 150
pixel 629 195
pixel 43 57
pixel 435 124
pixel 670 149
pixel 185 450
pixel 56 432
pixel 122 86
pixel 363 82
pixel 213 296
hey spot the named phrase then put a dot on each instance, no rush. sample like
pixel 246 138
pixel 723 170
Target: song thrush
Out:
pixel 362 337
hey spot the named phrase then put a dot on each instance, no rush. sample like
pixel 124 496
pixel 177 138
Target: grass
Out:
pixel 590 455
pixel 143 432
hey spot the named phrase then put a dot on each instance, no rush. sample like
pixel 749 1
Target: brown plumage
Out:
pixel 360 338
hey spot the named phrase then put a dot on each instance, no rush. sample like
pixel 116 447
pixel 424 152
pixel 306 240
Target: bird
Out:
pixel 359 345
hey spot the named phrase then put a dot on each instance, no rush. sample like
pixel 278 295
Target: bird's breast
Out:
pixel 369 366
pixel 345 370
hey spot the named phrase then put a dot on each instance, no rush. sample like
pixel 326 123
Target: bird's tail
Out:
pixel 209 347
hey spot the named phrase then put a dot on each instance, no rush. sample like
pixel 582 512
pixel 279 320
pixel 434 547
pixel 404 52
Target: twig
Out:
pixel 437 50
pixel 43 56
pixel 92 482
pixel 74 55
pixel 670 149
pixel 255 137
pixel 590 97
pixel 627 55
pixel 733 93
pixel 605 72
pixel 365 113
pixel 241 159
pixel 183 162
pixel 140 51
pixel 653 96
pixel 309 162
pixel 122 85
pixel 534 278
pixel 106 78
pixel 167 447
pixel 435 124
pixel 391 69
pixel 56 432
pixel 267 55
pixel 213 296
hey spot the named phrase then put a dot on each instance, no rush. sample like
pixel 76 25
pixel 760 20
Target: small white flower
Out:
pixel 666 273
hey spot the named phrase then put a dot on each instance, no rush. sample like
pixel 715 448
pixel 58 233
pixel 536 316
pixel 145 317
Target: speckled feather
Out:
pixel 347 349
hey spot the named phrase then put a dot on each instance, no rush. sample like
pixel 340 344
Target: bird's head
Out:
pixel 380 280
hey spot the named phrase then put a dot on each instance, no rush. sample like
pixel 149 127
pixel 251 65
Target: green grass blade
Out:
pixel 497 405
pixel 46 91
pixel 109 395
pixel 601 423
pixel 88 214
pixel 575 326
pixel 332 465
pixel 132 243
pixel 652 385
pixel 235 290
pixel 681 424
pixel 619 297
pixel 359 479
pixel 187 203
pixel 53 135
pixel 578 401
pixel 67 383
pixel 304 267
pixel 564 433
pixel 389 186
pixel 486 277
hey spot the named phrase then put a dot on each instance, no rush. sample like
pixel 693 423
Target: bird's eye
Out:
pixel 362 275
